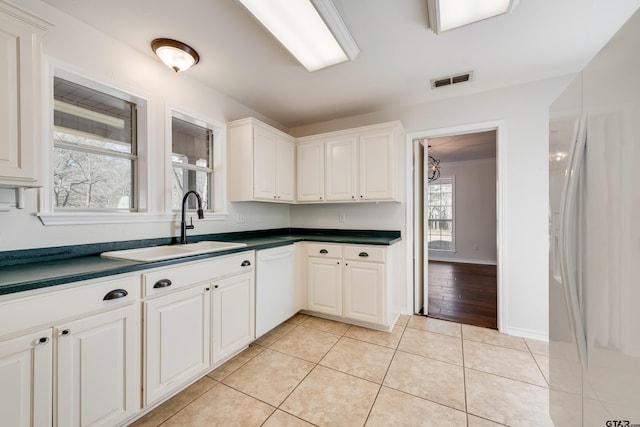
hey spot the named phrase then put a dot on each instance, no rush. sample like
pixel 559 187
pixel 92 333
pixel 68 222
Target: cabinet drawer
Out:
pixel 48 308
pixel 167 279
pixel 364 253
pixel 324 250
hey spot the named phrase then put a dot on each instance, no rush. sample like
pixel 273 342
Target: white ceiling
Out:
pixel 468 146
pixel 399 55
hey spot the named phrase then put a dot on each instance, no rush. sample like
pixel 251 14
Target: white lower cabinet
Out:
pixel 364 291
pixel 93 330
pixel 324 286
pixel 98 369
pixel 196 315
pixel 352 283
pixel 177 339
pixel 26 373
pixel 233 315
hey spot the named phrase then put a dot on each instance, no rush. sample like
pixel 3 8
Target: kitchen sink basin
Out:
pixel 160 253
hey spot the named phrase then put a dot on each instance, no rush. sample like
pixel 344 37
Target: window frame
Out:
pixel 90 149
pixel 217 209
pixel 153 205
pixel 49 215
pixel 450 180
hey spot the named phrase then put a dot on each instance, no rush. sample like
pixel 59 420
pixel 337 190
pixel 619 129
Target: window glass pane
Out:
pixel 106 121
pixel 89 180
pixel 185 180
pixel 440 215
pixel 190 144
pixel 191 148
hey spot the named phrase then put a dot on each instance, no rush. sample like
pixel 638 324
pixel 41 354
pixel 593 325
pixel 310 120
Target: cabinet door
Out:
pixel 264 164
pixel 341 168
pixel 364 291
pixel 325 285
pixel 177 337
pixel 19 96
pixel 233 315
pixel 25 380
pixel 284 170
pixel 376 166
pixel 310 172
pixel 98 369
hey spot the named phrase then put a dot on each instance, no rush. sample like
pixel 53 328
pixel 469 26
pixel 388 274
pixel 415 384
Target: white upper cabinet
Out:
pixel 360 164
pixel 285 166
pixel 342 168
pixel 310 164
pixel 265 145
pixel 20 97
pixel 261 163
pixel 377 172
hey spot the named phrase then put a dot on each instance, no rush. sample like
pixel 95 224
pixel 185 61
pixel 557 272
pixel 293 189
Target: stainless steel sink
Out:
pixel 160 253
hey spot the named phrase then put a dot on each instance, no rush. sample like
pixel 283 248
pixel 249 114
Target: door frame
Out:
pixel 414 290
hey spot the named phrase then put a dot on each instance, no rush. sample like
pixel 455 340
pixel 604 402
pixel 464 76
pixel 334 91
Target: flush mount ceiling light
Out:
pixel 311 30
pixel 175 55
pixel 445 15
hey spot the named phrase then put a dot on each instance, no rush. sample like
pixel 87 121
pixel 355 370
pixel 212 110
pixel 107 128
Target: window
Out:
pixel 441 215
pixel 95 154
pixel 192 160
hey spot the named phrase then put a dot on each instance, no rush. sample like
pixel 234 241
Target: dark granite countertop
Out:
pixel 29 269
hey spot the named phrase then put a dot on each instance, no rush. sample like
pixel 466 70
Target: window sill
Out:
pixel 92 218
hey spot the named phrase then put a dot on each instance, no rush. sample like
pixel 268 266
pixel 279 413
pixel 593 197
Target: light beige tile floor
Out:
pixel 427 372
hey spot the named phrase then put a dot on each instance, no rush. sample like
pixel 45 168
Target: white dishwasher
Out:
pixel 275 287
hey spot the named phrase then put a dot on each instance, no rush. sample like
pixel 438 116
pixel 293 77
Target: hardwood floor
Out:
pixel 464 293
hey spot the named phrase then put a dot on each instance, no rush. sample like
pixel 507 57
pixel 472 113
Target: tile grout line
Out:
pixel 464 379
pixel 509 378
pixel 395 351
pixel 234 371
pixel 316 364
pixel 183 407
pixel 538 364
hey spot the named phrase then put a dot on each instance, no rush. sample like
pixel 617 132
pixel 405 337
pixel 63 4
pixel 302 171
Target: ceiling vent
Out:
pixel 451 80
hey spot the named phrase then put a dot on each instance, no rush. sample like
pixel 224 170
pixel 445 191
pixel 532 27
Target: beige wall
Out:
pixel 475 211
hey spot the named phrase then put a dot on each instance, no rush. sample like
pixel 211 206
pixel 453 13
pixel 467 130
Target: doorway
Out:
pixel 456 224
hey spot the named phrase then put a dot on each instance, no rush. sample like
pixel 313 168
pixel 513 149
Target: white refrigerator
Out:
pixel 594 265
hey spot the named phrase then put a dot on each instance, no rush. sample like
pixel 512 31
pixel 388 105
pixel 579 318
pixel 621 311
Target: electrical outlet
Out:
pixel 239 219
pixel 342 217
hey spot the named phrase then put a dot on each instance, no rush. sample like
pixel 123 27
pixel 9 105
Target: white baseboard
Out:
pixel 462 260
pixel 528 333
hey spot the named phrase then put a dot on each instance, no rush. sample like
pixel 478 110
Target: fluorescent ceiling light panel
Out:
pixel 310 37
pixel 445 15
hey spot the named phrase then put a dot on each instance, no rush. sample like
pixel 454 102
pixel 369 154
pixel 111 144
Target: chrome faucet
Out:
pixel 184 227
